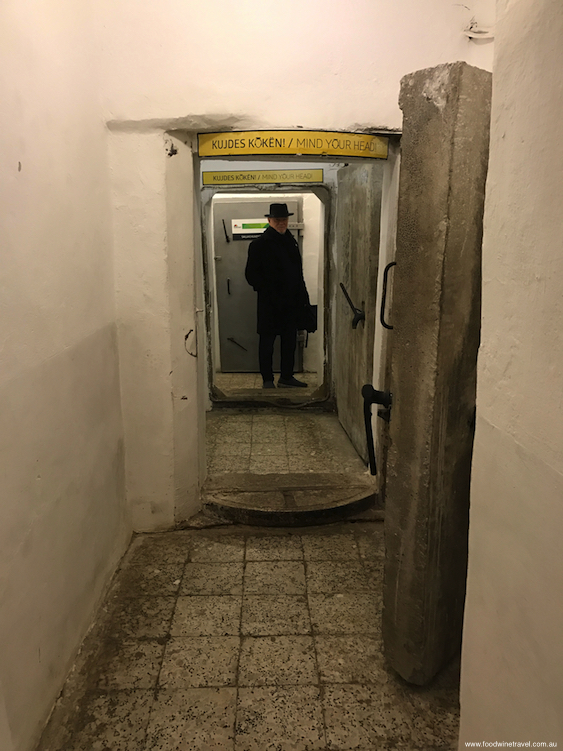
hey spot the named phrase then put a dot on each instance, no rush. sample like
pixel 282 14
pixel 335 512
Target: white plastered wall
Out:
pixel 157 297
pixel 261 63
pixel 63 523
pixel 512 661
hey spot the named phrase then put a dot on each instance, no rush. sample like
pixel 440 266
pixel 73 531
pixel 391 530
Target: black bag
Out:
pixel 307 319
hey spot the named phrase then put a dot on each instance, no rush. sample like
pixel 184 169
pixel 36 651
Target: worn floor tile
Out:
pixel 231 445
pixel 209 550
pixel 336 576
pixel 393 745
pixel 190 719
pixel 130 665
pixel 235 384
pixel 266 422
pixel 268 435
pixel 350 659
pixel 274 548
pixel 263 465
pixel 212 437
pixel 140 617
pixel 277 661
pixel 347 466
pixel 330 547
pixel 268 417
pixel 227 430
pixel 279 719
pixel 207 615
pixel 236 429
pixel 212 579
pixel 435 717
pixel 129 648
pixel 374 570
pixel 148 580
pixel 301 419
pixel 263 448
pixel 371 541
pixel 278 577
pixel 225 463
pixel 265 615
pixel 232 417
pixel 356 613
pixel 101 721
pixel 157 550
pixel 304 446
pixel 358 716
pixel 244 380
pixel 191 662
pixel 296 427
pixel 226 446
pixel 299 463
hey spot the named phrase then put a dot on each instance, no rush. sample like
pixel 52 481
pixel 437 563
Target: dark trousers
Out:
pixel 288 340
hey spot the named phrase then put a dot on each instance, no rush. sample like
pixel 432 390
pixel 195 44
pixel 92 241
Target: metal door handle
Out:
pixel 359 315
pixel 228 286
pixel 372 396
pixel 384 295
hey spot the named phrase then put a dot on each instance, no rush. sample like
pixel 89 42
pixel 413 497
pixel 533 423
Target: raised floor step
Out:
pixel 287 500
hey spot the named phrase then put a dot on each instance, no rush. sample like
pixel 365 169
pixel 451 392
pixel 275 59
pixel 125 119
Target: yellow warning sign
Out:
pixel 254 177
pixel 292 143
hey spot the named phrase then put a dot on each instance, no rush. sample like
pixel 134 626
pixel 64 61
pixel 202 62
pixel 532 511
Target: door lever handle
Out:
pixel 384 295
pixel 234 341
pixel 372 396
pixel 359 315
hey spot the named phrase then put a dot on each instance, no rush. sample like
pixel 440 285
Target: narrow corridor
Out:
pixel 245 639
pixel 276 441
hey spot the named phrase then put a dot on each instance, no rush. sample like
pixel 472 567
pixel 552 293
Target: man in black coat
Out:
pixel 275 270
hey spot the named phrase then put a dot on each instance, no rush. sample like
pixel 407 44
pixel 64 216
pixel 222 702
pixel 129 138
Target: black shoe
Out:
pixel 268 385
pixel 287 383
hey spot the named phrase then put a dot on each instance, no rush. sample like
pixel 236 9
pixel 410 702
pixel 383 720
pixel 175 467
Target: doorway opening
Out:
pixel 302 454
pixel 232 216
pixel 233 221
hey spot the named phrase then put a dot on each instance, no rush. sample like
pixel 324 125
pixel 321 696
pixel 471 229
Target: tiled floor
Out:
pixel 242 639
pixel 262 442
pixel 250 384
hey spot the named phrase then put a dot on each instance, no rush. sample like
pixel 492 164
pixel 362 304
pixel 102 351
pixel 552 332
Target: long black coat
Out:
pixel 275 270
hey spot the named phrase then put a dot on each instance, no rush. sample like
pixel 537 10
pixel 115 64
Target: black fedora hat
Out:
pixel 278 211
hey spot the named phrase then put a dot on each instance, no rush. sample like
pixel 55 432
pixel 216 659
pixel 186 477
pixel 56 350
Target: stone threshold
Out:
pixel 287 500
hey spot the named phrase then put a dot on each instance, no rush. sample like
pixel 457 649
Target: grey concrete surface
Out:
pixel 289 657
pixel 436 318
pixel 263 442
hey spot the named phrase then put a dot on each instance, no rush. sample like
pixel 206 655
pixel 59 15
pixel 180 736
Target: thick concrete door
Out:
pixel 435 337
pixel 358 216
